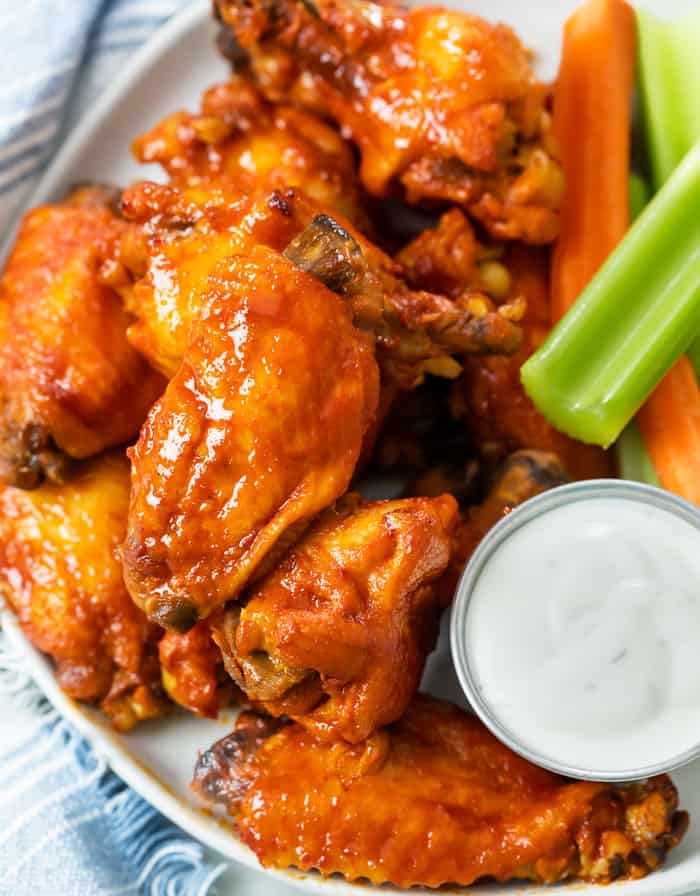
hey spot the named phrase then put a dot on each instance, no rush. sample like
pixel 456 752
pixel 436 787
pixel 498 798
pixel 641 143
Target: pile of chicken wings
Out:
pixel 335 280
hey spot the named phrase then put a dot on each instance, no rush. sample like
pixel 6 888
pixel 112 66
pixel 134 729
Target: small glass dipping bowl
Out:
pixel 482 597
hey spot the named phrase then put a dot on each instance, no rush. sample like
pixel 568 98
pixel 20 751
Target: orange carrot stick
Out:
pixel 592 112
pixel 591 122
pixel 670 426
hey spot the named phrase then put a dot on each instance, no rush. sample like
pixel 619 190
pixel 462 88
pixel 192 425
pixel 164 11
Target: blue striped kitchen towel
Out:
pixel 55 58
pixel 68 825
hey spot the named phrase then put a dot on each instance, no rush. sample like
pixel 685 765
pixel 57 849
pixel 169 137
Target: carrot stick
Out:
pixel 591 122
pixel 670 426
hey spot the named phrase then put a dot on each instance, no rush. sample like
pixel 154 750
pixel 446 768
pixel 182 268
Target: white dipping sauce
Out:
pixel 583 635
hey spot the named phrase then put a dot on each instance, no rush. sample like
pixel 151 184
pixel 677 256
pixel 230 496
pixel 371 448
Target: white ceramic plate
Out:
pixel 158 758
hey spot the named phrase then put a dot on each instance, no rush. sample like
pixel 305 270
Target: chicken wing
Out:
pixel 490 398
pixel 70 382
pixel 523 475
pixel 439 101
pixel 448 258
pixel 165 263
pixel 242 144
pixel 60 573
pixel 433 799
pixel 337 635
pixel 259 430
pixel 176 239
pixel 193 672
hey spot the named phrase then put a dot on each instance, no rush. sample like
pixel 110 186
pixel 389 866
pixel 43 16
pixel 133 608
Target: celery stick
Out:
pixel 636 316
pixel 640 194
pixel 668 76
pixel 632 457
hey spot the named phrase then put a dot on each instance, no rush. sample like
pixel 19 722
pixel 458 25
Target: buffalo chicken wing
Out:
pixel 241 144
pixel 260 429
pixel 192 671
pixel 439 101
pixel 60 573
pixel 179 236
pixel 337 635
pixel 431 800
pixel 70 382
pixel 489 396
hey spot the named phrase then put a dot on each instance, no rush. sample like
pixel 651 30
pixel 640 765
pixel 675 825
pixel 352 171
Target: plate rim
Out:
pixel 194 15
pixel 205 829
pixel 211 833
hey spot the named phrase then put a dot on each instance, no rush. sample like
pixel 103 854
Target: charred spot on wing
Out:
pixel 328 252
pixel 616 867
pixel 282 202
pixel 543 468
pixel 29 456
pixel 228 46
pixel 496 336
pixel 179 615
pixel 217 777
pixel 311 8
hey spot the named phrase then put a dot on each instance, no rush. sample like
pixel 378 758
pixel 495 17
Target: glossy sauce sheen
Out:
pixel 597 609
pixel 434 799
pixel 438 100
pixel 259 430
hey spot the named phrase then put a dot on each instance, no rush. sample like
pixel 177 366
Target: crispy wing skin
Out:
pixel 231 168
pixel 179 236
pixel 337 635
pixel 241 144
pixel 176 240
pixel 480 140
pixel 448 258
pixel 522 475
pixel 192 671
pixel 70 382
pixel 259 430
pixel 60 573
pixel 489 396
pixel 434 799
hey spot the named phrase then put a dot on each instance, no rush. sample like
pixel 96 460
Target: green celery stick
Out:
pixel 632 457
pixel 637 315
pixel 640 194
pixel 668 78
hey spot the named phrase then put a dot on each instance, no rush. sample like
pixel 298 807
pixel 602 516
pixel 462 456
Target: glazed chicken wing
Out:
pixel 438 101
pixel 166 260
pixel 259 430
pixel 489 396
pixel 176 239
pixel 241 144
pixel 60 573
pixel 522 475
pixel 433 799
pixel 337 635
pixel 230 170
pixel 70 382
